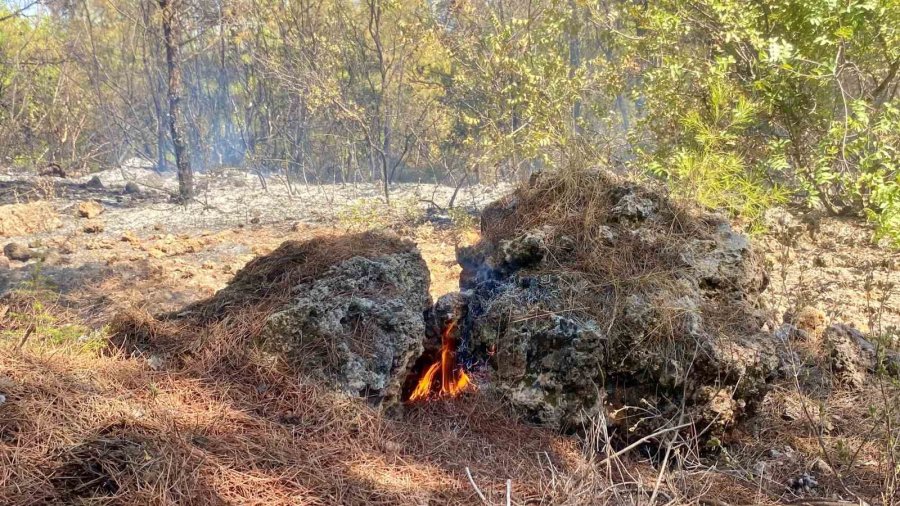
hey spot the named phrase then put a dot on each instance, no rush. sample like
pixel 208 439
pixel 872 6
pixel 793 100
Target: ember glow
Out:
pixel 453 379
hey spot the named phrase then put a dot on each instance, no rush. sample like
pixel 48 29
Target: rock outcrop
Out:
pixel 851 356
pixel 346 311
pixel 360 325
pixel 17 251
pixel 600 295
pixel 89 209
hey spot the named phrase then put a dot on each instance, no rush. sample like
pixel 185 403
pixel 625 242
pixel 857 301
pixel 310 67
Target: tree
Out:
pixel 169 10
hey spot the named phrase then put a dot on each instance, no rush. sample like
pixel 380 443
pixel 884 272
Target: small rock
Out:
pixel 4 263
pixel 524 251
pixel 90 209
pixel 2 399
pixel 51 258
pixel 822 467
pixel 804 482
pixel 392 447
pixel 155 362
pixel 759 469
pixel 132 188
pixel 93 228
pixel 254 221
pixel 844 355
pixel 810 320
pixel 95 183
pixel 787 331
pixel 633 207
pixel 17 251
pixel 53 170
pixel 607 234
pixel 130 237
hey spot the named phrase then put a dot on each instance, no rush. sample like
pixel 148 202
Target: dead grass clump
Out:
pixel 25 219
pixel 118 458
pixel 269 277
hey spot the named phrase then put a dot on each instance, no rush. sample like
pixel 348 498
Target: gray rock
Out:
pixel 607 234
pixel 724 261
pixel 131 188
pixel 851 355
pixel 561 344
pixel 360 326
pixel 548 365
pixel 632 206
pixel 17 251
pixel 94 183
pixel 844 356
pixel 525 250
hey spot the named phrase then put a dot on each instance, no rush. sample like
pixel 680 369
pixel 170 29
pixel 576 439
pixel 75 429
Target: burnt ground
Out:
pixel 79 423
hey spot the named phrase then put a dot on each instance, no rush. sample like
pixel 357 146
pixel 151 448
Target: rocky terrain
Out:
pixel 263 345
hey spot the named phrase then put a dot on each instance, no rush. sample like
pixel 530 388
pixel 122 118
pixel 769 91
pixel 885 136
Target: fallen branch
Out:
pixel 477 490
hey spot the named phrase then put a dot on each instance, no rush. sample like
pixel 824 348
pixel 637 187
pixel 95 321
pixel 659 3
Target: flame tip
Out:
pixel 453 379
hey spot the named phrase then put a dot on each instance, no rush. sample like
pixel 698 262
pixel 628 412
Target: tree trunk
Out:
pixel 173 65
pixel 385 158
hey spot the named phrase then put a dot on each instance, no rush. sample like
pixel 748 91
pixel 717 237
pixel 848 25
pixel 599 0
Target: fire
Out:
pixel 454 379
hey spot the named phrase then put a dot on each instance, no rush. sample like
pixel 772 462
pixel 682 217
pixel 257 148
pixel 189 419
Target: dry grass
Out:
pixel 109 428
pixel 30 218
pixel 218 423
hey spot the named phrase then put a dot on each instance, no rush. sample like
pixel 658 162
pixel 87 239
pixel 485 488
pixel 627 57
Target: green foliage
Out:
pixel 462 219
pixel 739 98
pixel 739 104
pixel 45 328
pixel 708 164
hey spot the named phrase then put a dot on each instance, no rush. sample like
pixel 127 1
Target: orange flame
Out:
pixel 453 379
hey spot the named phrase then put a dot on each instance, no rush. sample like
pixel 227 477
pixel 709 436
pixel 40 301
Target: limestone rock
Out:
pixel 851 355
pixel 132 188
pixel 642 307
pixel 89 209
pixel 548 367
pixel 360 326
pixel 524 251
pixel 631 206
pixel 93 227
pixel 94 183
pixel 811 321
pixel 17 251
pixel 844 356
